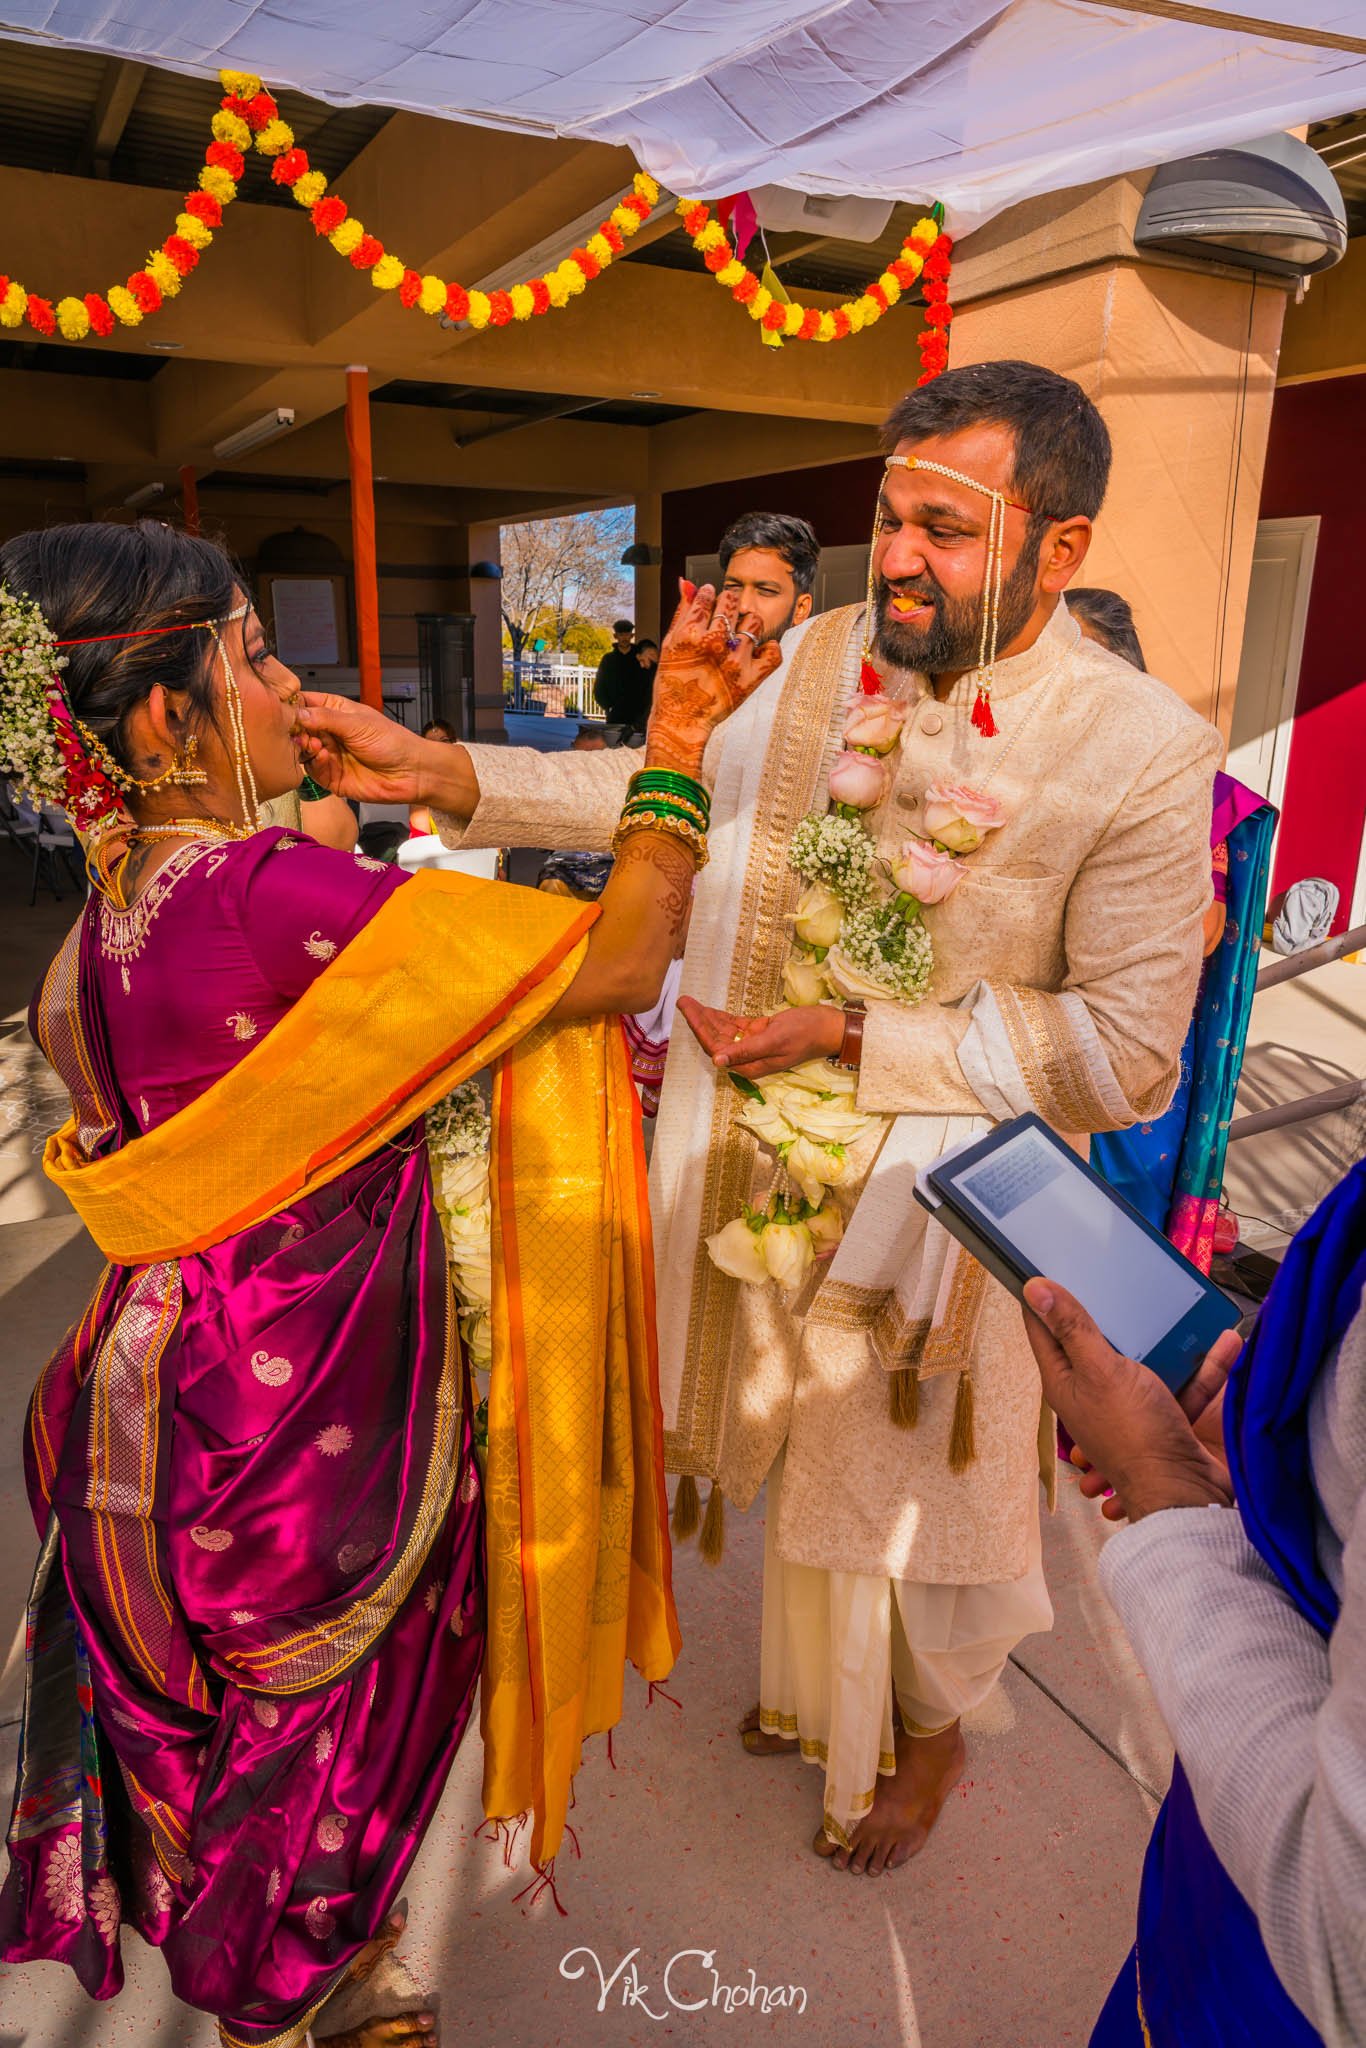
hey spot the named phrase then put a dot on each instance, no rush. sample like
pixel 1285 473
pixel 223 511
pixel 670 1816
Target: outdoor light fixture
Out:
pixel 486 572
pixel 640 555
pixel 277 421
pixel 166 348
pixel 146 496
pixel 1271 205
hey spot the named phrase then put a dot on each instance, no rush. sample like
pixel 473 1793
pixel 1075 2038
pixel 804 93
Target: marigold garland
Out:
pixel 249 118
pixel 924 258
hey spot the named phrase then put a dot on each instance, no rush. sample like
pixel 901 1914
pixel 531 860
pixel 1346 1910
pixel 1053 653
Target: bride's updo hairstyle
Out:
pixel 102 578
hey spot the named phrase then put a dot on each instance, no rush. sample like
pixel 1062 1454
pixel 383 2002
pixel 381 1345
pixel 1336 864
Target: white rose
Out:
pixel 827 1228
pixel 829 1123
pixel 465 1182
pixel 817 1077
pixel 474 1279
pixel 851 984
pixel 468 1230
pixel 766 1121
pixel 788 1253
pixel 478 1338
pixel 805 983
pixel 819 915
pixel 736 1251
pixel 814 1168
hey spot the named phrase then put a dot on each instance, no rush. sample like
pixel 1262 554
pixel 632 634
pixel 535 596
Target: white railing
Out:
pixel 565 692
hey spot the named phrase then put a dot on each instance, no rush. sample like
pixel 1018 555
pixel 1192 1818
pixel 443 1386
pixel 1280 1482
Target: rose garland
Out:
pixel 165 269
pixel 924 258
pixel 847 944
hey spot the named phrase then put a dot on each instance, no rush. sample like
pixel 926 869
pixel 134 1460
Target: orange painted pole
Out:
pixel 189 498
pixel 363 532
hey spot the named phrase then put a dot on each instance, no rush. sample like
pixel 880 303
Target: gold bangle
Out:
pixel 663 807
pixel 676 828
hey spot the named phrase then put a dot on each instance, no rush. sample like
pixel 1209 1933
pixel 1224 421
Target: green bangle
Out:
pixel 668 782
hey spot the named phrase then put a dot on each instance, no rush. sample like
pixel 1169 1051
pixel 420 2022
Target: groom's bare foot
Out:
pixel 760 1741
pixel 905 1806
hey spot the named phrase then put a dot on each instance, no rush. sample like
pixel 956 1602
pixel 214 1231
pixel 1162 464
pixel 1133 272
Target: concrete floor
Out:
pixel 1004 1934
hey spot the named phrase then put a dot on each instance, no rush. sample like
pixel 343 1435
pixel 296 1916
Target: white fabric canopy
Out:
pixel 967 101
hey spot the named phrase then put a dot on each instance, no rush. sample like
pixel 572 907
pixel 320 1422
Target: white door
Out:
pixel 1273 643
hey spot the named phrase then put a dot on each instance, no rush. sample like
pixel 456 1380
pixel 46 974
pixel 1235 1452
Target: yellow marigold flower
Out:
pixel 123 305
pixel 432 297
pixel 214 180
pixel 711 236
pixel 826 330
pixel 275 138
pixel 160 267
pixel 557 288
pixel 387 274
pixel 731 273
pixel 891 286
pixel 869 308
pixel 793 318
pixel 644 187
pixel 523 301
pixel 624 220
pixel 927 229
pixel 231 128
pixel 478 315
pixel 242 85
pixel 193 231
pixel 309 189
pixel 13 306
pixel 760 303
pixel 574 278
pixel 599 246
pixel 73 321
pixel 348 236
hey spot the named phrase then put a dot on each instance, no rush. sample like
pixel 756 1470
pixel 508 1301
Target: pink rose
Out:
pixel 859 780
pixel 958 817
pixel 926 873
pixel 874 723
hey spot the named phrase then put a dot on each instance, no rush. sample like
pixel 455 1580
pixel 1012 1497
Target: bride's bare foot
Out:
pixel 905 1806
pixel 761 1742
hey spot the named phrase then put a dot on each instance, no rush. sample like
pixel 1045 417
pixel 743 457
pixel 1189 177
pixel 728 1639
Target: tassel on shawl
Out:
pixel 712 1543
pixel 687 1515
pixel 963 1436
pixel 904 1399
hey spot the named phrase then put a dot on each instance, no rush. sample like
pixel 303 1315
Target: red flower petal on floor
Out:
pixel 327 215
pixel 101 319
pixel 410 288
pixel 367 252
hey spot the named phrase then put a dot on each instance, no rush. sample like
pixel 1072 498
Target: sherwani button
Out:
pixel 932 723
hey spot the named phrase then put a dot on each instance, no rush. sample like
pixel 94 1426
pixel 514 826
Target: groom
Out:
pixel 893 1405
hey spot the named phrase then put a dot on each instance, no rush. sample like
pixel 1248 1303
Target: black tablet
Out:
pixel 1025 1205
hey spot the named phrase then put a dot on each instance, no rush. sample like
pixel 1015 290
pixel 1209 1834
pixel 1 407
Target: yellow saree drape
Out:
pixel 453 975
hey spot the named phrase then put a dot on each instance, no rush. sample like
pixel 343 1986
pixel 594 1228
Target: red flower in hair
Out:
pixel 327 215
pixel 226 158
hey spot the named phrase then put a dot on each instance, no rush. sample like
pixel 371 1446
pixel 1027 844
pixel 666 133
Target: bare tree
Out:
pixel 559 571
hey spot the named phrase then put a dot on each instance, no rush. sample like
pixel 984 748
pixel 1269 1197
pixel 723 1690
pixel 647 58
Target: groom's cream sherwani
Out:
pixel 1066 966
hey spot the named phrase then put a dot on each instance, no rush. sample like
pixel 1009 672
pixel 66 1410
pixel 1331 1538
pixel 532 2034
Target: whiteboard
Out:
pixel 305 609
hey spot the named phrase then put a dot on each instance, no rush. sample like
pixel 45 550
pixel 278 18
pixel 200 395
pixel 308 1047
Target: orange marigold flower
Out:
pixel 694 220
pixel 367 252
pixel 204 207
pixel 540 292
pixel 457 303
pixel 936 292
pixel 587 263
pixel 258 111
pixel 878 297
pixel 920 243
pixel 937 262
pixel 903 272
pixel 40 315
pixel 938 316
pixel 811 321
pixel 327 215
pixel 774 317
pixel 411 288
pixel 613 237
pixel 289 168
pixel 101 319
pixel 183 254
pixel 638 206
pixel 145 290
pixel 747 289
pixel 843 323
pixel 717 259
pixel 226 158
pixel 500 308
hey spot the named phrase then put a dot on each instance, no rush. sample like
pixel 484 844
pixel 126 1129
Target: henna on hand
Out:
pixel 708 665
pixel 674 866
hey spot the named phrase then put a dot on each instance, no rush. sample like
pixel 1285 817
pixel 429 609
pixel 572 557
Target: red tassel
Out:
pixel 869 681
pixel 982 718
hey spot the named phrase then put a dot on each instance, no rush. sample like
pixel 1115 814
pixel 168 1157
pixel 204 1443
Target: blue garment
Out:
pixel 1200 1967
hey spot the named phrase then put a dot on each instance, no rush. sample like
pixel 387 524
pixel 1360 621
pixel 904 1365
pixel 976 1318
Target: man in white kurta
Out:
pixel 1066 965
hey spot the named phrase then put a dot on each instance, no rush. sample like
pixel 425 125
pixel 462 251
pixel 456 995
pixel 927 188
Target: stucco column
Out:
pixel 1182 362
pixel 652 606
pixel 480 595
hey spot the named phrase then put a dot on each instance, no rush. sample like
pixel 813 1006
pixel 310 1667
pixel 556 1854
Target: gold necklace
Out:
pixel 194 828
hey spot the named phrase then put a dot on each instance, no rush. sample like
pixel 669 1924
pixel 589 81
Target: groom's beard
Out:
pixel 950 636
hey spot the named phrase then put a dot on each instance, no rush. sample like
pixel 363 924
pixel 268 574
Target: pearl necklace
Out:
pixel 194 828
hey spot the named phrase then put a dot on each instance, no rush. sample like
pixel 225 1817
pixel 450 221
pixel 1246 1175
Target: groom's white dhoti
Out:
pixel 1066 965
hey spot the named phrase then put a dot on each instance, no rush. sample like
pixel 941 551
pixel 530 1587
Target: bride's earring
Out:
pixel 183 773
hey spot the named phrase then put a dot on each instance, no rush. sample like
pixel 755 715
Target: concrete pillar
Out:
pixel 653 608
pixel 1182 362
pixel 480 595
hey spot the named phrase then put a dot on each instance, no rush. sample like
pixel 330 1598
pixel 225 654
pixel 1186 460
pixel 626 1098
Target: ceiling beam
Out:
pixel 119 88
